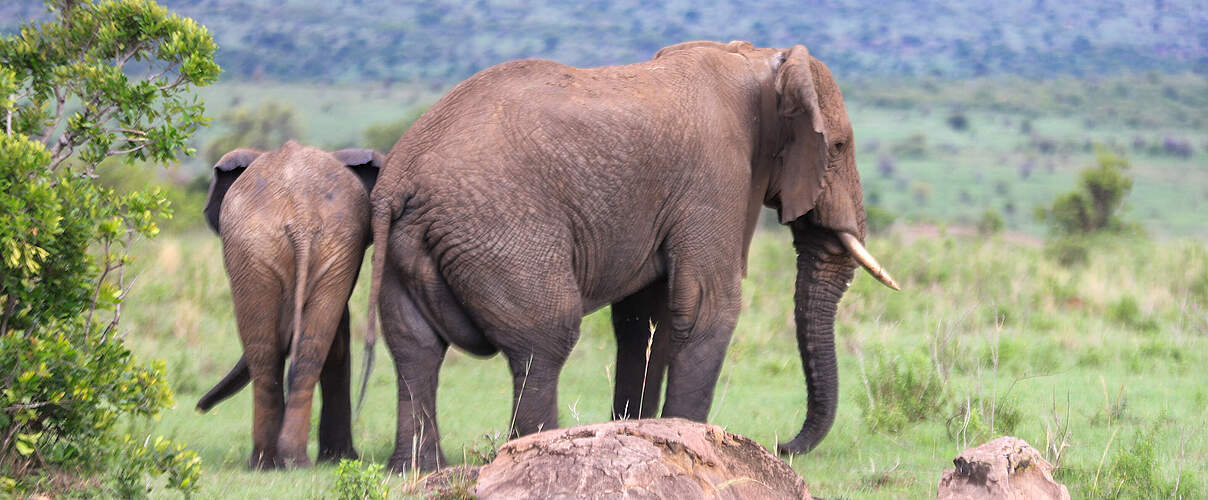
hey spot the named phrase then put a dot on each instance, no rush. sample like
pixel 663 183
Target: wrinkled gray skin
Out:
pixel 534 193
pixel 294 224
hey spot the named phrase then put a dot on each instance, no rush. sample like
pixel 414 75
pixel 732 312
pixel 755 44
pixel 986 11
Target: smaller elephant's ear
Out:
pixel 363 162
pixel 228 168
pixel 804 157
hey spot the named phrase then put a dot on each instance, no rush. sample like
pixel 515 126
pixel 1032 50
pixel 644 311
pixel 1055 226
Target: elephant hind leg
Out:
pixel 335 417
pixel 641 359
pixel 320 320
pixel 257 311
pixel 418 353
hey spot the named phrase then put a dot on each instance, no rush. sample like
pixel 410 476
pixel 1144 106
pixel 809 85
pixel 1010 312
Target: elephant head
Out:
pixel 363 162
pixel 815 186
pixel 809 166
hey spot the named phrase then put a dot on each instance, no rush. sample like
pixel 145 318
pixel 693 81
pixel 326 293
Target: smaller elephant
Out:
pixel 294 224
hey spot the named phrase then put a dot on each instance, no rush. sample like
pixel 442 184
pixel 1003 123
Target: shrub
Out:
pixel 264 127
pixel 958 121
pixel 68 379
pixel 1068 251
pixel 1135 472
pixel 382 136
pixel 356 480
pixel 1094 205
pixel 914 146
pixel 901 391
pixel 879 219
pixel 1126 312
pixel 976 420
pixel 991 222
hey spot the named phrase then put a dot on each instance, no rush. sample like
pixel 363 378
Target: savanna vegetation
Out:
pixel 1048 233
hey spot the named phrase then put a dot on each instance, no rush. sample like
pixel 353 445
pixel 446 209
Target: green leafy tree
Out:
pixel 265 127
pixel 1094 206
pixel 382 136
pixel 103 79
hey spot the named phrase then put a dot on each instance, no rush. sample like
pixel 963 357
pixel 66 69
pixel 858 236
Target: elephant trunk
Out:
pixel 822 276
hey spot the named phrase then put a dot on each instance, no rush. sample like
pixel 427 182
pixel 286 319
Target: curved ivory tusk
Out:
pixel 865 259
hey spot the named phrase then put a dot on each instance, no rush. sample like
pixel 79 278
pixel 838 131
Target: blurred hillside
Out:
pixel 962 113
pixel 441 42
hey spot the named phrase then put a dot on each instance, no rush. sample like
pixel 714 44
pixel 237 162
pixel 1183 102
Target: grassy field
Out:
pixel 1099 366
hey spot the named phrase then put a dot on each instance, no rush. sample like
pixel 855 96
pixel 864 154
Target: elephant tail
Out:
pixel 380 225
pixel 233 382
pixel 301 246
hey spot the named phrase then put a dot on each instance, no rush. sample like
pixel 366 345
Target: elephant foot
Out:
pixel 426 462
pixel 261 460
pixel 296 460
pixel 335 454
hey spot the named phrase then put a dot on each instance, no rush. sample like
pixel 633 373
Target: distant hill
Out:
pixel 443 41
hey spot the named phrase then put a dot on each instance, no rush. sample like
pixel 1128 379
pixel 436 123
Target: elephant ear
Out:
pixel 363 162
pixel 803 159
pixel 228 168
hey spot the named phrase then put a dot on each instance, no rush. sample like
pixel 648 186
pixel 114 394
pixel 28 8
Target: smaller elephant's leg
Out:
pixel 321 320
pixel 641 352
pixel 257 312
pixel 418 352
pixel 704 309
pixel 335 418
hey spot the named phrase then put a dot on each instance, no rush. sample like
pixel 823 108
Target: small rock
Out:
pixel 652 458
pixel 1005 468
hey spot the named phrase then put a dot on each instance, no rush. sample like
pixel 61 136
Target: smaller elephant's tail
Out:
pixel 301 270
pixel 233 382
pixel 380 225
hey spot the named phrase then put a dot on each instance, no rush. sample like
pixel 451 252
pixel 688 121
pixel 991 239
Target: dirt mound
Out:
pixel 1005 468
pixel 654 458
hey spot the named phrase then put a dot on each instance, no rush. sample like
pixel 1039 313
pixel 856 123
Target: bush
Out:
pixel 356 480
pixel 958 121
pixel 991 222
pixel 1135 472
pixel 264 127
pixel 68 379
pixel 901 391
pixel 382 136
pixel 1126 312
pixel 879 219
pixel 1094 205
pixel 1068 251
pixel 974 420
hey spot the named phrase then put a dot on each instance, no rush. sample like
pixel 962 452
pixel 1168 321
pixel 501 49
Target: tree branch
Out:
pixel 48 132
pixel 113 152
pixel 100 282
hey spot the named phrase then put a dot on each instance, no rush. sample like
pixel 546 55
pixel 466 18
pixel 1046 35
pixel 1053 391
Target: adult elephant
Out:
pixel 294 224
pixel 535 192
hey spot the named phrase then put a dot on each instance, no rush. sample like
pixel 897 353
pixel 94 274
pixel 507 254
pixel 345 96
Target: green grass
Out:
pixel 1100 357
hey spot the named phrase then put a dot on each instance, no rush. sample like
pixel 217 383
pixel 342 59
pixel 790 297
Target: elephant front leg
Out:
pixel 335 418
pixel 704 310
pixel 642 327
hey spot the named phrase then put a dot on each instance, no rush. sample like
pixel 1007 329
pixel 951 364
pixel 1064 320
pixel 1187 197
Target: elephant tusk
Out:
pixel 865 259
